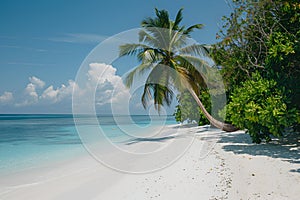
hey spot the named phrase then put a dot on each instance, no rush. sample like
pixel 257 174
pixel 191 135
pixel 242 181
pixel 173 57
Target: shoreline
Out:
pixel 217 165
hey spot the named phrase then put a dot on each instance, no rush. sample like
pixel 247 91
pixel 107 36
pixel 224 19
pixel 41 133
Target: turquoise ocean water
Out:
pixel 28 141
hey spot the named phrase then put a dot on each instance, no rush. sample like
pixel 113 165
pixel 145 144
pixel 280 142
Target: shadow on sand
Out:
pixel 159 139
pixel 287 148
pixel 162 138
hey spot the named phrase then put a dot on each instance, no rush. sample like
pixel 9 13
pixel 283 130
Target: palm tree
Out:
pixel 164 52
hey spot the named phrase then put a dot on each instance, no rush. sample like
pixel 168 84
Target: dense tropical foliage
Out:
pixel 260 106
pixel 259 50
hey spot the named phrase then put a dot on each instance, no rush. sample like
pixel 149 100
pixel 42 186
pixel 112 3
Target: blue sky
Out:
pixel 43 43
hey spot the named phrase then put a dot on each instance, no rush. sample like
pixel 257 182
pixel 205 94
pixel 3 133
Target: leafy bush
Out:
pixel 259 106
pixel 188 110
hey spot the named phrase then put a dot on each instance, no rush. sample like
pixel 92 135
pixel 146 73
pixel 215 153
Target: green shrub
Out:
pixel 259 106
pixel 188 110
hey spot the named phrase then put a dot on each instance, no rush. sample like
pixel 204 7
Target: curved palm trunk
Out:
pixel 221 125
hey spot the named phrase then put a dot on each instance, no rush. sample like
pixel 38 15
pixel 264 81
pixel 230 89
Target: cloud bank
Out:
pixel 102 84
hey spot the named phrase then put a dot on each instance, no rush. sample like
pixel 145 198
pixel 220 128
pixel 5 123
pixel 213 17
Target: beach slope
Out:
pixel 217 165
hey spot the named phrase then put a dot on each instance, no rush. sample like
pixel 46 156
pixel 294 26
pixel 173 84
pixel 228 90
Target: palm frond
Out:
pixel 193 61
pixel 180 78
pixel 195 69
pixel 178 19
pixel 191 28
pixel 139 70
pixel 184 79
pixel 154 36
pixel 203 73
pixel 160 37
pixel 149 56
pixel 160 94
pixel 131 49
pixel 163 19
pixel 145 37
pixel 195 49
pixel 177 41
pixel 148 22
pixel 157 87
pixel 146 96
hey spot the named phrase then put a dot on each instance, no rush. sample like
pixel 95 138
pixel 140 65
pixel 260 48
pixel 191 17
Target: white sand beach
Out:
pixel 217 165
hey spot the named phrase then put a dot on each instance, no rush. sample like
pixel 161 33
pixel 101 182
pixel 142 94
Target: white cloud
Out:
pixel 30 91
pixel 30 94
pixel 102 87
pixel 6 98
pixel 37 82
pixel 100 72
pixel 59 94
pixel 50 94
pixel 110 87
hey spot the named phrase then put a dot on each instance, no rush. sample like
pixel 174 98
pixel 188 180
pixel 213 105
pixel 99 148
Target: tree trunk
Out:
pixel 221 125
